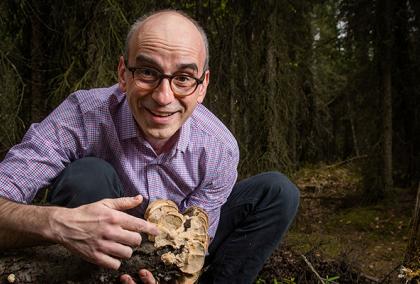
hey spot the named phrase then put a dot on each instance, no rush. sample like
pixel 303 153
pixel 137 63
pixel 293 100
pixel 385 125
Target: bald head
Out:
pixel 168 17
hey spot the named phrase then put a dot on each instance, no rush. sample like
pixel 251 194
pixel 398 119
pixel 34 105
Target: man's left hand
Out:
pixel 145 276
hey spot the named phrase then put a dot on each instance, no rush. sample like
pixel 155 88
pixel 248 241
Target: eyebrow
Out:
pixel 143 58
pixel 192 66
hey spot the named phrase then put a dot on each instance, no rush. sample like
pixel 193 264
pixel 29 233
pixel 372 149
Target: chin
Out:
pixel 161 134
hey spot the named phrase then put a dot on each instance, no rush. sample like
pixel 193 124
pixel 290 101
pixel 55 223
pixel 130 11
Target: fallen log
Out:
pixel 54 264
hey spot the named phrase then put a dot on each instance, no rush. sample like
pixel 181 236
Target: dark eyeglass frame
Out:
pixel 162 76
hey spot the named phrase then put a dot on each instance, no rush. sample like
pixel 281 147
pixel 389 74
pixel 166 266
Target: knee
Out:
pixel 84 181
pixel 89 170
pixel 91 166
pixel 281 190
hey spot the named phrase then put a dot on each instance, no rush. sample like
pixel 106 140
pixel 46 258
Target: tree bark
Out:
pixel 38 55
pixel 353 129
pixel 54 264
pixel 386 46
pixel 388 180
pixel 413 247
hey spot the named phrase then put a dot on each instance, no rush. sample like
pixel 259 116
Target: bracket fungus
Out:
pixel 182 241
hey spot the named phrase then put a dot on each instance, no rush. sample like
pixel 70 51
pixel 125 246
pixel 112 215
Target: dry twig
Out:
pixel 313 269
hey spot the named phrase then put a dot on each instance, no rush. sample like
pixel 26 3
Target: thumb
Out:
pixel 147 277
pixel 123 203
pixel 126 279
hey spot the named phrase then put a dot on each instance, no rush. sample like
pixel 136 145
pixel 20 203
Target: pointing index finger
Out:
pixel 138 225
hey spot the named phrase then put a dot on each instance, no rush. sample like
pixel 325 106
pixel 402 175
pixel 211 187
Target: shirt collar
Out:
pixel 127 123
pixel 184 136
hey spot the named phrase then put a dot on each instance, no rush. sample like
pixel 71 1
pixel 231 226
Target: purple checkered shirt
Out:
pixel 200 169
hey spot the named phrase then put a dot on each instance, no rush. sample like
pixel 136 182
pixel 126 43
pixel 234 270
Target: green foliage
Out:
pixel 12 85
pixel 331 279
pixel 88 41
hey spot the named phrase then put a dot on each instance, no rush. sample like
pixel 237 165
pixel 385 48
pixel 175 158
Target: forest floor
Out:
pixel 338 235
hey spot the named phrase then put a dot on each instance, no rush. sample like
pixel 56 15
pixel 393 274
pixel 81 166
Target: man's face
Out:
pixel 170 44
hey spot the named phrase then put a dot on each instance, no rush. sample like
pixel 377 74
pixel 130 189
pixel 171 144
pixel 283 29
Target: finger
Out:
pixel 123 236
pixel 116 249
pixel 107 261
pixel 135 224
pixel 147 277
pixel 126 279
pixel 123 203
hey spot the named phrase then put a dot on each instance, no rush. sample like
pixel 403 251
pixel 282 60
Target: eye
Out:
pixel 147 74
pixel 184 80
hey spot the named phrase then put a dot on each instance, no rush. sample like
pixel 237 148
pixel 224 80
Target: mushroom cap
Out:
pixel 160 207
pixel 185 233
pixel 198 212
pixel 194 261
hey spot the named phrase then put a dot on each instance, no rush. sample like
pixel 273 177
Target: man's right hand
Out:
pixel 100 232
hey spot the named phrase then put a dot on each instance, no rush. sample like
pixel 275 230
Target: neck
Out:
pixel 162 145
pixel 158 145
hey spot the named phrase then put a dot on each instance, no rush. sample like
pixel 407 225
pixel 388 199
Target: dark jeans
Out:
pixel 252 222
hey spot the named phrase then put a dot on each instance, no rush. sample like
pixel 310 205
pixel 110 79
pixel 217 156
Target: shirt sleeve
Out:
pixel 215 192
pixel 45 150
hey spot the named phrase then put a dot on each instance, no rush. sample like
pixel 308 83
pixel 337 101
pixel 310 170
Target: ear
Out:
pixel 203 87
pixel 122 83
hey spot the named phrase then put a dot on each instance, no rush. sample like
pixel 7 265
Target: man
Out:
pixel 109 152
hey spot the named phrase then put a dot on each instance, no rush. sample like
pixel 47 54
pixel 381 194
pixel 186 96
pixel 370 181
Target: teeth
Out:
pixel 161 114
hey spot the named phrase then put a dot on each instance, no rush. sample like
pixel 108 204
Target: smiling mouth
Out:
pixel 161 114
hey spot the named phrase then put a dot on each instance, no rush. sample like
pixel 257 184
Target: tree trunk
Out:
pixel 388 181
pixel 412 253
pixel 353 129
pixel 232 82
pixel 386 46
pixel 38 55
pixel 271 97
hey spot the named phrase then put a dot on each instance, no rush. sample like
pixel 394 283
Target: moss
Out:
pixel 378 221
pixel 330 245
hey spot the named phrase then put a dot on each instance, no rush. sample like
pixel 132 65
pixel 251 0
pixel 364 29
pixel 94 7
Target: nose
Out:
pixel 163 94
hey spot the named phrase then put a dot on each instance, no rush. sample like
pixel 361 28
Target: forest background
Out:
pixel 297 82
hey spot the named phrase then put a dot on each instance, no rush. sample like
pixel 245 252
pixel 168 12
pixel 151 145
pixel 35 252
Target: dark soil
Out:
pixel 286 266
pixel 340 235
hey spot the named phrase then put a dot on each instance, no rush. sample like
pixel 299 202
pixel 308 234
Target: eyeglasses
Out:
pixel 181 84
